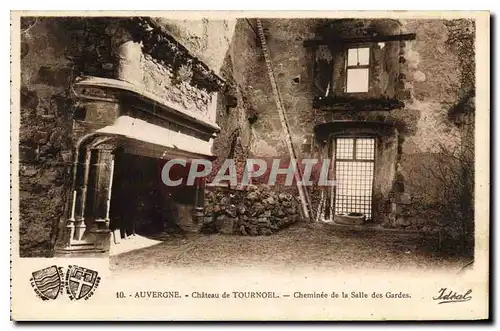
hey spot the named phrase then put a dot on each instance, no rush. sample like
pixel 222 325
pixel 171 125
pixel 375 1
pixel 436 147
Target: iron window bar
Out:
pixel 354 171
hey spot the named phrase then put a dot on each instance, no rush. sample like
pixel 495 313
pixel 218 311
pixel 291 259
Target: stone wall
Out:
pixel 234 113
pixel 434 71
pixel 56 50
pixel 258 210
pixel 293 69
pixel 385 76
pixel 422 75
pixel 45 133
pixel 207 39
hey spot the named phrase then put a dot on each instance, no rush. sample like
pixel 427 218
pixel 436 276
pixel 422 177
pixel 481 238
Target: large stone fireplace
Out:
pixel 126 127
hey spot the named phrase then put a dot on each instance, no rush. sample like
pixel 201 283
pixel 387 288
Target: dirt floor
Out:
pixel 321 246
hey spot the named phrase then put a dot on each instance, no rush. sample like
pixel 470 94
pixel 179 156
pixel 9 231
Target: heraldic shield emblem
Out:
pixel 47 282
pixel 81 282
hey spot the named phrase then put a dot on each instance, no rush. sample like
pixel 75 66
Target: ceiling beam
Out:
pixel 359 40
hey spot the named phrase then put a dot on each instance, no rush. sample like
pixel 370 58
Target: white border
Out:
pixel 199 5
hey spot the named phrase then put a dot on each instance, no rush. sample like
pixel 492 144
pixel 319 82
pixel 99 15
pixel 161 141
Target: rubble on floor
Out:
pixel 255 211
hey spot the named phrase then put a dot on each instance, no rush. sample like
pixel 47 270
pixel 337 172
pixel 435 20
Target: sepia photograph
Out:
pixel 261 142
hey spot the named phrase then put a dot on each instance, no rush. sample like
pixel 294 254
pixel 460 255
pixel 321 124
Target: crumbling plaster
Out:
pixel 206 39
pixel 424 74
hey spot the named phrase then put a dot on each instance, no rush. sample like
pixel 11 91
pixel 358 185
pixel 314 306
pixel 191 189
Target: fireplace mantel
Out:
pixel 128 95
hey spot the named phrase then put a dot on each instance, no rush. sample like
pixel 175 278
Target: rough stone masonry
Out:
pixel 415 87
pixel 257 210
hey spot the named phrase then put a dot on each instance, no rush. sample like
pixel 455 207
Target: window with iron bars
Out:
pixel 354 169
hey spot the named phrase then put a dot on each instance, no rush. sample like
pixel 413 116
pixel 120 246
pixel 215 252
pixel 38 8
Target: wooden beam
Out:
pixel 351 103
pixel 359 40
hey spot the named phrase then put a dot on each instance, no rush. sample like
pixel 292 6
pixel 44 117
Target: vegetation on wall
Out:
pixel 452 170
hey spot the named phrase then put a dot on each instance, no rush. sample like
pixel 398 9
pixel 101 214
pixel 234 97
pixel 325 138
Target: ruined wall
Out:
pixel 293 68
pixel 206 39
pixel 249 118
pixel 234 111
pixel 45 133
pixel 254 114
pixel 429 83
pixel 419 77
pixel 54 52
pixel 433 75
pixel 433 71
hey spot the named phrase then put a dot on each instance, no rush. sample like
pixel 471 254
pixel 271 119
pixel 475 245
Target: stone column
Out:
pixel 70 223
pixel 104 173
pixel 103 188
pixel 212 106
pixel 127 53
pixel 80 225
pixel 110 187
pixel 128 56
pixel 199 200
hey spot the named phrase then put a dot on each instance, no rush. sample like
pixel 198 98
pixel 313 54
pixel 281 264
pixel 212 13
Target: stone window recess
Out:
pixel 354 170
pixel 357 69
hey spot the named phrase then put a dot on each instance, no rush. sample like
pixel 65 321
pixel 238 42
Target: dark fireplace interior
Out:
pixel 141 204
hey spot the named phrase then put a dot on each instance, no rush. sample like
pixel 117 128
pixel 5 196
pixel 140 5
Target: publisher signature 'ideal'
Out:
pixel 449 296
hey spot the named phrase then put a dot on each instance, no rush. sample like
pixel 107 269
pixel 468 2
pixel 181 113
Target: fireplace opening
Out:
pixel 141 204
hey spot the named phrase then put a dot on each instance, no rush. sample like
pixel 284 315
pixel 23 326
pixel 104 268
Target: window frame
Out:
pixel 355 139
pixel 363 66
pixel 333 143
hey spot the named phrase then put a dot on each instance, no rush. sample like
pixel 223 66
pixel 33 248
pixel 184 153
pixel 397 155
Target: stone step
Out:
pixel 79 248
pixel 191 227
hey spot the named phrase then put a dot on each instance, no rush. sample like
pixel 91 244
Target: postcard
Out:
pixel 250 166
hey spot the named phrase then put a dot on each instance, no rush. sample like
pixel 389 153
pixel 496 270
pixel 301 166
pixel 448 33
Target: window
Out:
pixel 354 167
pixel 357 64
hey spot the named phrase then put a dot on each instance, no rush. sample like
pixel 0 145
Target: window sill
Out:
pixel 353 103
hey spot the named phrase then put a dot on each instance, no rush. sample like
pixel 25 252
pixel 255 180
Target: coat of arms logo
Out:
pixel 48 282
pixel 81 282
